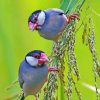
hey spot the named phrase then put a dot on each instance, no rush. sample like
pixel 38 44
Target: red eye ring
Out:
pixel 35 18
pixel 36 56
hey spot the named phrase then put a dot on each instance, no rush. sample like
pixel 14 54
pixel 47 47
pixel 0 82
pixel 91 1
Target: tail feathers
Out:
pixel 22 98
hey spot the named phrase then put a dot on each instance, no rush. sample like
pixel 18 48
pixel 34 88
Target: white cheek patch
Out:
pixel 32 61
pixel 41 18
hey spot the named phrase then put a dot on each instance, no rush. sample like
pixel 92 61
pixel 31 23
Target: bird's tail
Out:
pixel 22 97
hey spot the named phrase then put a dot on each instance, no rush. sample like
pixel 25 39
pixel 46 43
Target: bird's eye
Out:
pixel 36 56
pixel 35 18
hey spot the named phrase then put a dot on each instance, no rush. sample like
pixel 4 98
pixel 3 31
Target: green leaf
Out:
pixel 72 5
pixel 64 5
pixel 68 5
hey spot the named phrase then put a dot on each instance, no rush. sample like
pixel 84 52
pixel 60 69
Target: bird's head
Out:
pixel 36 20
pixel 36 57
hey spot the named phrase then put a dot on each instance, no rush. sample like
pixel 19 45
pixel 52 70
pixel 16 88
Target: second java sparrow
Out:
pixel 49 23
pixel 33 72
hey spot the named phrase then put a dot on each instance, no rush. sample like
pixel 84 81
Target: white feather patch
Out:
pixel 41 18
pixel 32 61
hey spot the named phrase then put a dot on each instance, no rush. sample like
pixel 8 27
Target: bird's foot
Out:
pixel 53 69
pixel 73 17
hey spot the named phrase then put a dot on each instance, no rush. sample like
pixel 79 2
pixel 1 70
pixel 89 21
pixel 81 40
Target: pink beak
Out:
pixel 43 58
pixel 32 26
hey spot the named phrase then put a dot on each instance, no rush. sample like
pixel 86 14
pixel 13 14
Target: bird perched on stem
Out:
pixel 50 23
pixel 33 72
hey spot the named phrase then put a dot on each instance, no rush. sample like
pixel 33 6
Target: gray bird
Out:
pixel 50 23
pixel 33 72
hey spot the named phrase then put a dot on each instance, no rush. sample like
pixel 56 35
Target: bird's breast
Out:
pixel 34 80
pixel 36 75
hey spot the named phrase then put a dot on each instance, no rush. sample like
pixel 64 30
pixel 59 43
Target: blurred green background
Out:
pixel 16 40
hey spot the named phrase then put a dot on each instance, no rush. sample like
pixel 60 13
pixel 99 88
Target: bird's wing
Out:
pixel 55 11
pixel 21 81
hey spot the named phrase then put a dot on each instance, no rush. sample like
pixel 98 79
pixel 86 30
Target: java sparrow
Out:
pixel 33 72
pixel 49 23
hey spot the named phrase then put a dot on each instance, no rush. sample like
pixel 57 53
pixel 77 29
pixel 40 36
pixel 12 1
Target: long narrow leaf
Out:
pixel 64 5
pixel 71 5
pixel 68 5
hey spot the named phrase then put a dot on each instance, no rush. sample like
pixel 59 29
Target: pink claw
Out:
pixel 73 16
